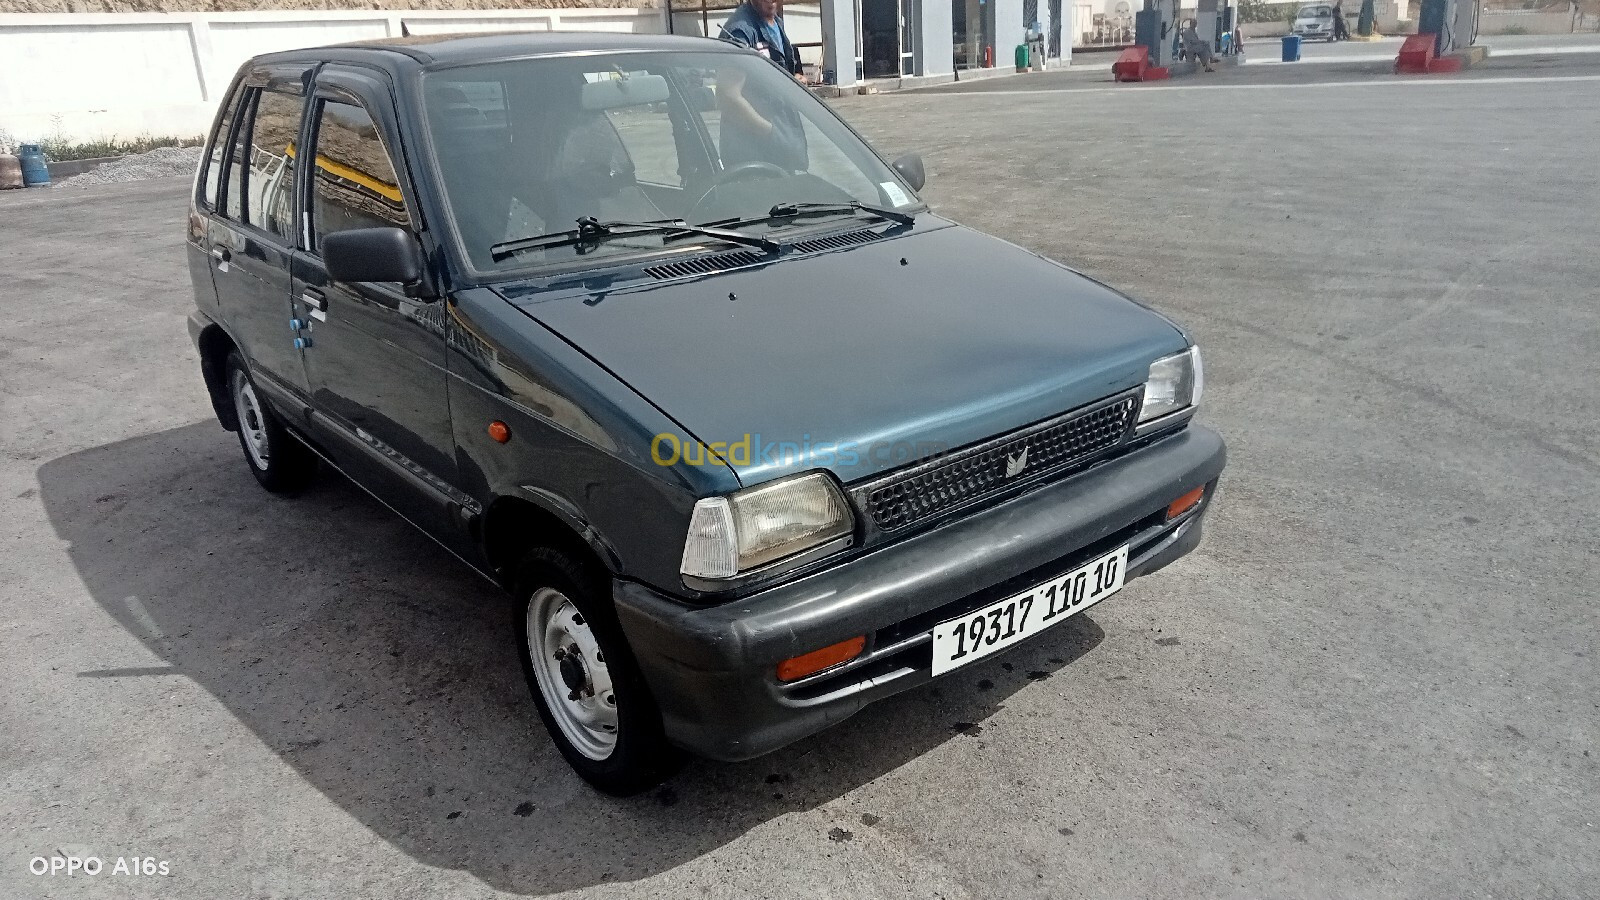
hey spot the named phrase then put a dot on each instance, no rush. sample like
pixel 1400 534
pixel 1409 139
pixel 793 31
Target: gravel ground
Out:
pixel 162 162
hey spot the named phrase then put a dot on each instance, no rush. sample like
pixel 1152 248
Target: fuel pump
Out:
pixel 1455 22
pixel 1446 31
pixel 1153 28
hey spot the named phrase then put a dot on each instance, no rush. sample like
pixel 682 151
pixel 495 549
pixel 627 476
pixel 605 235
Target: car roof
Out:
pixel 456 49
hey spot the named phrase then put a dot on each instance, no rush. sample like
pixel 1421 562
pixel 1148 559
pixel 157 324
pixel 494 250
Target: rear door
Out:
pixel 376 357
pixel 251 234
pixel 208 186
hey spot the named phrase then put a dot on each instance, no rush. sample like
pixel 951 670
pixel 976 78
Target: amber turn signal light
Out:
pixel 1185 503
pixel 499 431
pixel 798 667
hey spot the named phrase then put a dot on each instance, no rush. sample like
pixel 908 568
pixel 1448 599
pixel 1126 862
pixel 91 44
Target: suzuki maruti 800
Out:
pixel 642 331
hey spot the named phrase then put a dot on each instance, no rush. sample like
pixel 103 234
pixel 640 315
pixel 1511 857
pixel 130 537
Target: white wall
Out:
pixel 1528 21
pixel 1008 31
pixel 95 75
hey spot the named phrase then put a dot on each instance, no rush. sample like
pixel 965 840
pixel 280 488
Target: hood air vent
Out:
pixel 721 262
pixel 704 265
pixel 724 261
pixel 835 241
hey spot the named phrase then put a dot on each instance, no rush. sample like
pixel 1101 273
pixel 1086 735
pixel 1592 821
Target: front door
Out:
pixel 374 356
pixel 251 235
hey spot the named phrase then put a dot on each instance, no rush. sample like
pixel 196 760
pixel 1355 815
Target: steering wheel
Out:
pixel 740 172
pixel 746 170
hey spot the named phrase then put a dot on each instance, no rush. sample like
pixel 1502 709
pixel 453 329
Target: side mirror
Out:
pixel 910 168
pixel 373 254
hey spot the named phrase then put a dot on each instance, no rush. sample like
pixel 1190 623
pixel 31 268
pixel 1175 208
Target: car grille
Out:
pixel 977 473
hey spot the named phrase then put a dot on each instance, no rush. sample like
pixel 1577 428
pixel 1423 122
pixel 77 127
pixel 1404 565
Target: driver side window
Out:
pixel 354 184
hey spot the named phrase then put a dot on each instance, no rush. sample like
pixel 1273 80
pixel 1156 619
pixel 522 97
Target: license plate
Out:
pixel 999 625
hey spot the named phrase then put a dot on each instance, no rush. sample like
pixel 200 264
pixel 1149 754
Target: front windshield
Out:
pixel 528 147
pixel 1315 12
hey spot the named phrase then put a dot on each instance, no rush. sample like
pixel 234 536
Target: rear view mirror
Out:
pixel 373 254
pixel 910 168
pixel 631 90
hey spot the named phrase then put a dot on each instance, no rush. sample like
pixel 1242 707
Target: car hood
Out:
pixel 864 359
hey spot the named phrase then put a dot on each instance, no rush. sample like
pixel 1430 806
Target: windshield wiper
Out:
pixel 591 231
pixel 792 210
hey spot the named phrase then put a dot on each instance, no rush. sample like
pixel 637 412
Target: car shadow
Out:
pixel 383 671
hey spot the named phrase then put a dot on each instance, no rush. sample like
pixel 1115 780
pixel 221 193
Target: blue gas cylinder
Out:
pixel 35 172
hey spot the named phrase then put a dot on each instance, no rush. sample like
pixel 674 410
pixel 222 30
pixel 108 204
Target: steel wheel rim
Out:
pixel 252 421
pixel 572 674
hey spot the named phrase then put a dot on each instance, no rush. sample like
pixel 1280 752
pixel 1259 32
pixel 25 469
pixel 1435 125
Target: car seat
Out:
pixel 593 175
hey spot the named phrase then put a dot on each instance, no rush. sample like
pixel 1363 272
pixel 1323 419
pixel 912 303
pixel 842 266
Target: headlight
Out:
pixel 1175 383
pixel 748 529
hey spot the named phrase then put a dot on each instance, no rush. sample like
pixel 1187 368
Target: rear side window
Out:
pixel 355 185
pixel 260 186
pixel 270 178
pixel 219 146
pixel 234 189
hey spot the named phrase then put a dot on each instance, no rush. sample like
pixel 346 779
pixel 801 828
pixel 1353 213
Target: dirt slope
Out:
pixel 124 6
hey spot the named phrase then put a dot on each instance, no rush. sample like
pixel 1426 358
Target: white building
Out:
pixel 865 40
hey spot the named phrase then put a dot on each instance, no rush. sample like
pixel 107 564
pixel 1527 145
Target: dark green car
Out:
pixel 645 333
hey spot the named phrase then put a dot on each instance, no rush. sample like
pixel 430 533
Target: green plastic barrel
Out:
pixel 1022 57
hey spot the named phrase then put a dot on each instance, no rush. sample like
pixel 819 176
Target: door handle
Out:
pixel 221 255
pixel 316 303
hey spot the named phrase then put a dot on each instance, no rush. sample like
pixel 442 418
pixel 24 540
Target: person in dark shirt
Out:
pixel 759 125
pixel 757 25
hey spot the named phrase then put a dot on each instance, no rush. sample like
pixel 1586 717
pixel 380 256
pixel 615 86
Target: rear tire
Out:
pixel 584 679
pixel 278 460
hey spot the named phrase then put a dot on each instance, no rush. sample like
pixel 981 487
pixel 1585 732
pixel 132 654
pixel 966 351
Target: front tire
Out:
pixel 280 463
pixel 584 679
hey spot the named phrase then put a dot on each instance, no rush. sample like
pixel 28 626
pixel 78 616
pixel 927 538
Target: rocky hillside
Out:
pixel 125 6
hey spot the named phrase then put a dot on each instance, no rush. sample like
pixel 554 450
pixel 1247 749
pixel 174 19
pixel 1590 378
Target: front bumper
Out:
pixel 712 669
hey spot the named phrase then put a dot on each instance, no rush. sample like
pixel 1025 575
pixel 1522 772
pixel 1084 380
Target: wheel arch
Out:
pixel 214 345
pixel 513 524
